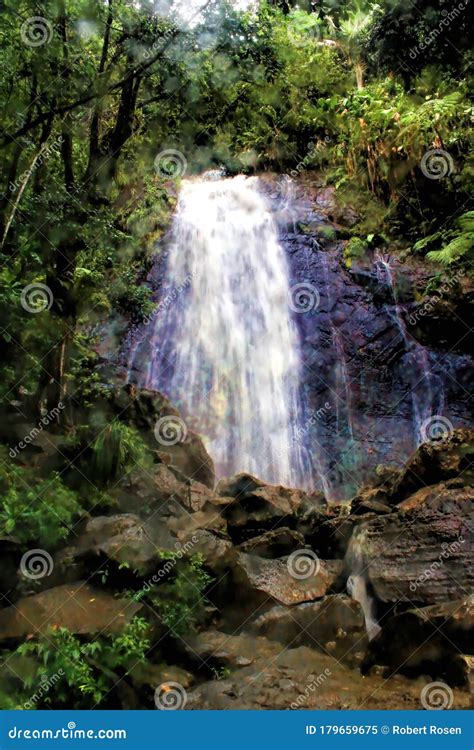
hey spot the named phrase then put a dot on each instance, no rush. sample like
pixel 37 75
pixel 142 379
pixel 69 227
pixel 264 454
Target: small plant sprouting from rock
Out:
pixel 116 450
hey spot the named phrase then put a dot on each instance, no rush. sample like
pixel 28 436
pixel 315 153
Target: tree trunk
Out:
pixel 21 190
pixel 94 145
pixel 359 72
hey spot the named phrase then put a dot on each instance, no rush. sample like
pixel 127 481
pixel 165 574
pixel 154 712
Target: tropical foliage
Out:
pixel 106 106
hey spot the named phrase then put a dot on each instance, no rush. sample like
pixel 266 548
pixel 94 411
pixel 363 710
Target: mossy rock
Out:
pixel 355 249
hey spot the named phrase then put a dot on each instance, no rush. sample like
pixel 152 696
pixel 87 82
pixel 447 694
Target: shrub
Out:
pixel 36 510
pixel 180 597
pixel 84 672
pixel 456 243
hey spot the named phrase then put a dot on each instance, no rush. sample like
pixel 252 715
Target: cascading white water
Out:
pixel 357 583
pixel 226 349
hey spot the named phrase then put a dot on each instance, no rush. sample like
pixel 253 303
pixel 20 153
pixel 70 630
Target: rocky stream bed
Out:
pixel 280 628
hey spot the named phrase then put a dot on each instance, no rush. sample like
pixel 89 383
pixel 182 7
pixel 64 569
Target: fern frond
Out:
pixel 421 244
pixel 115 449
pixel 446 107
pixel 466 221
pixel 457 248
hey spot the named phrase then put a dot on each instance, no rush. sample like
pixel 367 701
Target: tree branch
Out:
pixel 136 70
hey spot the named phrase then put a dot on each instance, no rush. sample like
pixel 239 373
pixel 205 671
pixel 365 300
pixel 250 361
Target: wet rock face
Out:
pixel 278 579
pixel 282 627
pixel 370 385
pixel 372 378
pixel 256 673
pixel 334 625
pixel 446 315
pixel 257 507
pixel 422 552
pixel 276 543
pixel 445 459
pixel 121 539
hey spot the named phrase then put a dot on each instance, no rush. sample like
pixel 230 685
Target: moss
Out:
pixel 373 215
pixel 327 233
pixel 355 249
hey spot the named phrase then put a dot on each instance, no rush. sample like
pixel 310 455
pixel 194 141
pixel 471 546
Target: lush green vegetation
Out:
pixel 59 669
pixel 346 90
pixel 36 509
pixel 74 672
pixel 94 99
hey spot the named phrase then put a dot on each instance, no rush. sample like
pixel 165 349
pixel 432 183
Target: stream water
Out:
pixel 357 586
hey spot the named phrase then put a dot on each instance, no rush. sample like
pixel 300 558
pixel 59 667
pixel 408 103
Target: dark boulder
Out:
pixel 276 543
pixel 161 426
pixel 334 625
pixel 282 580
pixel 448 457
pixel 426 641
pixel 422 552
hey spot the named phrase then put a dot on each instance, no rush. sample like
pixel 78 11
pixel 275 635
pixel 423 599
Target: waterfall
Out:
pixel 357 581
pixel 425 386
pixel 224 347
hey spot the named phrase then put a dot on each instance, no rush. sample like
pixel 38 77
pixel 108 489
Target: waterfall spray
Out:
pixel 226 349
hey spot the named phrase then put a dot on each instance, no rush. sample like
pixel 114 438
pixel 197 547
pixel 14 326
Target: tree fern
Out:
pixel 466 221
pixel 446 107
